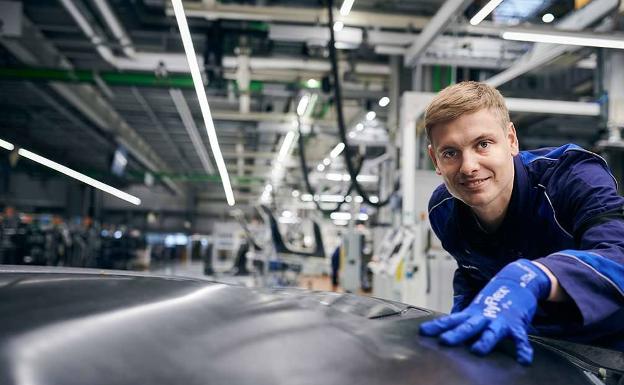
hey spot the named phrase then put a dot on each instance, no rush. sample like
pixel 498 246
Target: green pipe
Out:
pixel 86 76
pixel 436 81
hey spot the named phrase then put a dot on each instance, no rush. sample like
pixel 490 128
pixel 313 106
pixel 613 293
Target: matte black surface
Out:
pixel 117 328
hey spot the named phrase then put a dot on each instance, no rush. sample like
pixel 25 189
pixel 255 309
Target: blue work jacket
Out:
pixel 565 213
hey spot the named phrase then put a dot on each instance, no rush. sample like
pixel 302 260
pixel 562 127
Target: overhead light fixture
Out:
pixel 286 144
pixel 332 198
pixel 374 199
pixel 340 216
pixel 384 101
pixel 359 127
pixel 6 145
pixel 370 115
pixel 346 7
pixel 352 135
pixel 347 216
pixel 320 167
pixel 295 193
pixel 337 150
pixel 79 176
pixel 191 128
pixel 340 222
pixel 307 197
pixel 185 34
pixel 336 177
pixel 565 38
pixel 485 11
pixel 303 104
pixel 359 199
pixel 288 220
pixel 313 83
pixel 338 26
pixel 326 161
pixel 548 18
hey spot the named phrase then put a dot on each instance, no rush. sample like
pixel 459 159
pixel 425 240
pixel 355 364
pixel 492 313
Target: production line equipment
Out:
pixel 410 265
pixel 281 263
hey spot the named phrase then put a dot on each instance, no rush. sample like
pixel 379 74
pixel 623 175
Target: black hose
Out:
pixel 341 125
pixel 304 171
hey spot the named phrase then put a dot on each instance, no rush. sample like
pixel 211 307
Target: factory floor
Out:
pixel 195 269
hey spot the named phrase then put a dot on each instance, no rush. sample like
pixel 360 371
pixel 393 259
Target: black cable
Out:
pixel 341 125
pixel 304 171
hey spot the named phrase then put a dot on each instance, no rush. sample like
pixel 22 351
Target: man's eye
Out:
pixel 448 154
pixel 484 144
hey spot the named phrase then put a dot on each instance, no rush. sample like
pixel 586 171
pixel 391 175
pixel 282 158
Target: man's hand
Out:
pixel 504 308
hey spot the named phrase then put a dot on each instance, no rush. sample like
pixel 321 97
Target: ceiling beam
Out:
pixel 435 27
pixel 219 11
pixel 542 53
pixel 32 48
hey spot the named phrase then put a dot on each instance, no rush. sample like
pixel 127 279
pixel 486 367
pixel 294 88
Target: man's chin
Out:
pixel 474 200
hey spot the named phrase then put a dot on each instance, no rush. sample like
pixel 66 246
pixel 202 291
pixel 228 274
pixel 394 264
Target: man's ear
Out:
pixel 433 159
pixel 512 138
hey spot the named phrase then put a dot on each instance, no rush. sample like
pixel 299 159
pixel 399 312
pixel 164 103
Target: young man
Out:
pixel 538 236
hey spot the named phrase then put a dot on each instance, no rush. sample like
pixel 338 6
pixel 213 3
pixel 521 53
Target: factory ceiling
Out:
pixel 85 77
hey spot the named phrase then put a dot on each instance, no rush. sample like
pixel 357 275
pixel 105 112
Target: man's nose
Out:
pixel 470 163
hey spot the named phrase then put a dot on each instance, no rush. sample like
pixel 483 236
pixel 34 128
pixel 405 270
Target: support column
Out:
pixel 240 160
pixel 243 77
pixel 613 79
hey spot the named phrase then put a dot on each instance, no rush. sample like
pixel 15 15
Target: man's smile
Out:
pixel 473 184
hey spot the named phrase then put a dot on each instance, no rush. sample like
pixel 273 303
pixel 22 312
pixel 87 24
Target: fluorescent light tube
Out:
pixel 562 38
pixel 6 145
pixel 335 177
pixel 337 150
pixel 332 198
pixel 285 149
pixel 346 7
pixel 81 177
pixel 303 104
pixel 185 34
pixel 485 11
pixel 340 216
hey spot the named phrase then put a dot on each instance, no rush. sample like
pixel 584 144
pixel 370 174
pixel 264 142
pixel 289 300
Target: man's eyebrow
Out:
pixel 446 147
pixel 481 137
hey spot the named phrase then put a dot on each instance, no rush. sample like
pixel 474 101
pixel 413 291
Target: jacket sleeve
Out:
pixel 464 290
pixel 585 194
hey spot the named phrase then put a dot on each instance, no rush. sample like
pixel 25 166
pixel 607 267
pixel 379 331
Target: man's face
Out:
pixel 474 155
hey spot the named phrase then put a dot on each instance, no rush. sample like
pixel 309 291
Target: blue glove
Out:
pixel 504 308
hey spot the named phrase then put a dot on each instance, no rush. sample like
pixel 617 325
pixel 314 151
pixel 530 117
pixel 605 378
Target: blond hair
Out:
pixel 464 98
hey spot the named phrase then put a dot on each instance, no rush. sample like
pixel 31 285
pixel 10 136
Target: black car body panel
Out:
pixel 70 327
